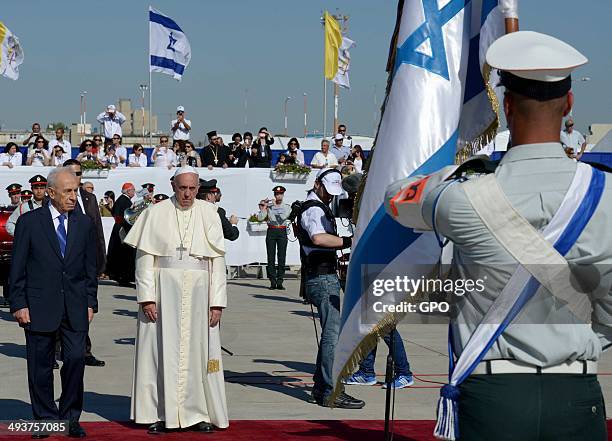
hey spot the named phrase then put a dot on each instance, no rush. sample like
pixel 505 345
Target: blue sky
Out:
pixel 272 48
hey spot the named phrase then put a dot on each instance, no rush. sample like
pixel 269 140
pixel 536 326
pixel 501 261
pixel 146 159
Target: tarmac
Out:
pixel 269 375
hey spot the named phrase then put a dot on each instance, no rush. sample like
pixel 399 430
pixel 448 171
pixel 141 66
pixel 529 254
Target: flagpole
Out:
pixel 150 107
pixel 324 106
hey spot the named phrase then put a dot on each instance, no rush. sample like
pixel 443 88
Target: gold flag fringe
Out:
pixel 213 366
pixel 489 133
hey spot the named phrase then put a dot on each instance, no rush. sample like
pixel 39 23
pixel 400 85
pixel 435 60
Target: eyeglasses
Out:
pixel 262 205
pixel 88 144
pixel 163 141
pixel 292 143
pixel 98 139
pixel 79 173
pixel 40 142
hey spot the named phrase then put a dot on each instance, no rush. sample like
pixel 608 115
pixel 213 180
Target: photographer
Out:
pixel 317 233
pixel 39 156
pixel 263 143
pixel 276 213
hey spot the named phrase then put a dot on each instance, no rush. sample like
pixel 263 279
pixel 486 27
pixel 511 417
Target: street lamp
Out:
pixel 578 80
pixel 305 114
pixel 286 101
pixel 143 89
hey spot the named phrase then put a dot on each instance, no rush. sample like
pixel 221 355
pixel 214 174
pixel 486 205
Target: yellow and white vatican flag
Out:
pixel 344 63
pixel 11 53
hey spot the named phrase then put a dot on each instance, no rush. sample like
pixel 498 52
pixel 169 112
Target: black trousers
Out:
pixel 276 240
pixel 532 407
pixel 40 347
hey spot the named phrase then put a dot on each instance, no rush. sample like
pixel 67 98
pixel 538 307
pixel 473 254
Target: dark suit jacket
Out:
pixel 230 232
pixel 47 283
pixel 93 211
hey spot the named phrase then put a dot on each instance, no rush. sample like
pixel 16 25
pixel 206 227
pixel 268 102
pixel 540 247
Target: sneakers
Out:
pixel 360 378
pixel 401 381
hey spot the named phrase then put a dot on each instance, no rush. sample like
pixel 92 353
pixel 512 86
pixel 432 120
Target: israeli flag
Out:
pixel 169 48
pixel 437 79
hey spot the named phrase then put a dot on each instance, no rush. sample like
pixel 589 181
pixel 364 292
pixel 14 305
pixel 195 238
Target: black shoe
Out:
pixel 279 285
pixel 202 428
pixel 272 285
pixel 157 428
pixel 344 401
pixel 55 365
pixel 39 436
pixel 75 430
pixel 90 360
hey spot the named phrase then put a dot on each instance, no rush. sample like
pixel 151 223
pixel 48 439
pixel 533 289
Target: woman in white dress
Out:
pixel 11 156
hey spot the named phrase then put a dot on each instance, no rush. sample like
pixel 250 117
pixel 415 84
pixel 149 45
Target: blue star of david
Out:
pixel 172 43
pixel 431 29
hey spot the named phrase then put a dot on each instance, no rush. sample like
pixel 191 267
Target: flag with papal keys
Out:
pixel 436 74
pixel 11 53
pixel 169 48
pixel 344 63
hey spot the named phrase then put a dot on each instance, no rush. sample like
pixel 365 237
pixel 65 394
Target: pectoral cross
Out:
pixel 180 249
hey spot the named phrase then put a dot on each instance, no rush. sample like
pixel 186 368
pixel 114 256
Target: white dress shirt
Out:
pixel 121 152
pixel 573 140
pixel 55 216
pixel 140 160
pixel 165 157
pixel 64 143
pixel 56 161
pixel 112 126
pixel 180 134
pixel 15 159
pixel 322 160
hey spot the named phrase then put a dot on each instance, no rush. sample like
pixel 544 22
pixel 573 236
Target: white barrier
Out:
pixel 242 189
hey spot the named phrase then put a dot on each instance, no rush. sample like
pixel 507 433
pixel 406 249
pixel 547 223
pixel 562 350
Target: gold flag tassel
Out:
pixel 213 366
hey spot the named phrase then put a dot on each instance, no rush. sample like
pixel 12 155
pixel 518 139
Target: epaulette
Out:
pixel 476 165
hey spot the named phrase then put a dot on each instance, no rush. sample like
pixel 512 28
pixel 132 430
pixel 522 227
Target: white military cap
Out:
pixel 186 169
pixel 180 109
pixel 533 64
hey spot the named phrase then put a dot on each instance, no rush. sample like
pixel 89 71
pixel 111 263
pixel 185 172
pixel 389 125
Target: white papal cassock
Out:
pixel 178 374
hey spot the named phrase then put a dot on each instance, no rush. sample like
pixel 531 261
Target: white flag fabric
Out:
pixel 436 59
pixel 344 63
pixel 11 53
pixel 169 47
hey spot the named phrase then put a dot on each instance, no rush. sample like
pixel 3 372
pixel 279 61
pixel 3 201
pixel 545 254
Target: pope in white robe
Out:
pixel 181 291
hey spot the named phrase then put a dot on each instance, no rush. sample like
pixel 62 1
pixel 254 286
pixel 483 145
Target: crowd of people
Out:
pixel 177 150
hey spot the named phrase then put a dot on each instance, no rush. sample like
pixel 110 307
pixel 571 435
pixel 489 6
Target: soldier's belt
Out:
pixel 492 367
pixel 277 227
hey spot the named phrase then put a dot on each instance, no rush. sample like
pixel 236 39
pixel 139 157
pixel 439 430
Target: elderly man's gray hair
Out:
pixel 55 174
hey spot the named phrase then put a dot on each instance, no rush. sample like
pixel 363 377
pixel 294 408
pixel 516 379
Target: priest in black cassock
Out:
pixel 120 264
pixel 215 154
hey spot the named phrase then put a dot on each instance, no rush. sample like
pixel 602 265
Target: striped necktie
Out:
pixel 61 233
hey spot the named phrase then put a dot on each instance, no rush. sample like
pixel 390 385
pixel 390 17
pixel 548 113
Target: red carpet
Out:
pixel 285 430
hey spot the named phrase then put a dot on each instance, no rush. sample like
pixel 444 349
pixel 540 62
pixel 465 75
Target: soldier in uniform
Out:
pixel 535 231
pixel 277 214
pixel 26 195
pixel 209 192
pixel 38 184
pixel 14 192
pixel 159 197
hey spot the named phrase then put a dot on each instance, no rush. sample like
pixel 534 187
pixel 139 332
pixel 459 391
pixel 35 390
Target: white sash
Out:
pixel 548 267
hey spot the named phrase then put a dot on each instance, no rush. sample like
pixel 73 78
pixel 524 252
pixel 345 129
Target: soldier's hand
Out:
pixel 22 316
pixel 215 316
pixel 233 219
pixel 90 314
pixel 150 311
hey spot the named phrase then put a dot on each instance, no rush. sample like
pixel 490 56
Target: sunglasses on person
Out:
pixel 79 173
pixel 292 143
pixel 40 142
pixel 89 144
pixel 98 139
pixel 116 137
pixel 163 141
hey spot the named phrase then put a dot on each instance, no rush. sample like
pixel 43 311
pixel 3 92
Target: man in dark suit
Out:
pixel 209 192
pixel 88 204
pixel 61 294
